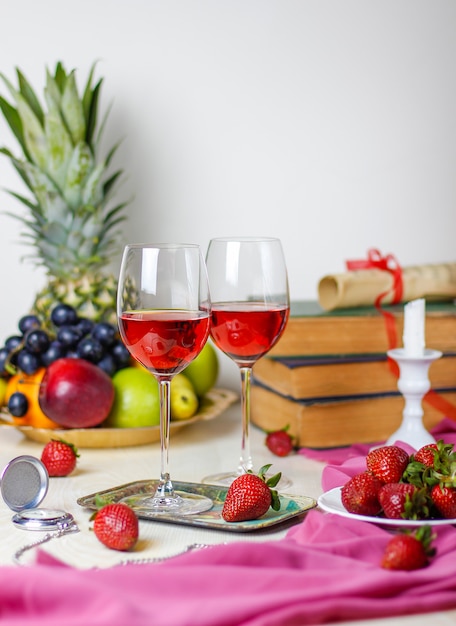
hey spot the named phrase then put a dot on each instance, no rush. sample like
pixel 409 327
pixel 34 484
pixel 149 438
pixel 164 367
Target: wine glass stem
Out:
pixel 245 462
pixel 165 486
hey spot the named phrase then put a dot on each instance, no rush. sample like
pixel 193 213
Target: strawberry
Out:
pixel 388 463
pixel 444 499
pixel 249 496
pixel 426 454
pixel 116 526
pixel 404 501
pixel 360 494
pixel 408 551
pixel 59 457
pixel 279 442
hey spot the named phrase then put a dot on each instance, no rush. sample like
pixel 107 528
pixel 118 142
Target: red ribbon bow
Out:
pixel 389 264
pixel 386 263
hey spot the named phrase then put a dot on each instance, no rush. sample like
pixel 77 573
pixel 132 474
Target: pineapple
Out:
pixel 72 230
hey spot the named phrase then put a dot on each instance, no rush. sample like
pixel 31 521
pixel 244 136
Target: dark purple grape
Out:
pixel 84 325
pixel 90 349
pixel 108 364
pixel 55 351
pixel 68 336
pixel 120 354
pixel 17 404
pixel 13 342
pixel 28 322
pixel 37 341
pixel 105 333
pixel 27 362
pixel 3 360
pixel 72 354
pixel 64 315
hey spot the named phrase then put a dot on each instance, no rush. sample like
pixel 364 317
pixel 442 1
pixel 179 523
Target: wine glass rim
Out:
pixel 247 239
pixel 162 245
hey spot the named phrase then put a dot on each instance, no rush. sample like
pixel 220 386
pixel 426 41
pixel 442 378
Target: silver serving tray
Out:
pixel 292 507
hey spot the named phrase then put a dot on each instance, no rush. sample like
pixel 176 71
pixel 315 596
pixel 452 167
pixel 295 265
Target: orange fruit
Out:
pixel 29 385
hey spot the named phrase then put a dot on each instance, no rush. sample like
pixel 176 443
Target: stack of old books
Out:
pixel 329 379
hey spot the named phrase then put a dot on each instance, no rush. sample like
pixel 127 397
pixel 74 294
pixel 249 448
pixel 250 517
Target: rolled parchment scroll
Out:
pixel 362 287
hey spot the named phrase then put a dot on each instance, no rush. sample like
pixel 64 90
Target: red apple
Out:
pixel 75 393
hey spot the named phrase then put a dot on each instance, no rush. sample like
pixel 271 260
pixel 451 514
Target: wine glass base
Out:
pixel 178 504
pixel 225 479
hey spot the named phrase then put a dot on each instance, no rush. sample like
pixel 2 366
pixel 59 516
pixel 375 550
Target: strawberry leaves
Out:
pixel 271 483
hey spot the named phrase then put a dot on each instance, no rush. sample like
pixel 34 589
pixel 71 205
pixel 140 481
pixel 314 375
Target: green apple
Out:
pixel 203 371
pixel 180 380
pixel 184 401
pixel 136 401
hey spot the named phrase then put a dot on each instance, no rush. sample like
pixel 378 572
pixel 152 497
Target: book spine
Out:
pixel 356 335
pixel 337 423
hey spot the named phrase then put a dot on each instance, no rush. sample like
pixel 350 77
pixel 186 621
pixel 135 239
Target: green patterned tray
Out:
pixel 291 506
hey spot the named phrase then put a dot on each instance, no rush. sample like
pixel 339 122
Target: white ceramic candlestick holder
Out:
pixel 413 384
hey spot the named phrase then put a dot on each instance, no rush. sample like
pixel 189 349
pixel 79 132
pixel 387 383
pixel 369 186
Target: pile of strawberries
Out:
pixel 396 485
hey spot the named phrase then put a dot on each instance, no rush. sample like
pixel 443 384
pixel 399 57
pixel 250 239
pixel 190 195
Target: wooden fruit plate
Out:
pixel 211 405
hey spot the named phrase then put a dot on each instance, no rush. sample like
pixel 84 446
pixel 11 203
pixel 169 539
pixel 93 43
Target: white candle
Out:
pixel 413 337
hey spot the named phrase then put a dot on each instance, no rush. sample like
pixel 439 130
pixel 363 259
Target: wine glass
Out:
pixel 163 310
pixel 250 308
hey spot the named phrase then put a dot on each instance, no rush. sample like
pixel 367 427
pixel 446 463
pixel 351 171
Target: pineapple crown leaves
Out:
pixel 69 223
pixel 76 116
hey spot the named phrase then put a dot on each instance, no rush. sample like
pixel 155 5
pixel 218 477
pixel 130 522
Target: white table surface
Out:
pixel 196 451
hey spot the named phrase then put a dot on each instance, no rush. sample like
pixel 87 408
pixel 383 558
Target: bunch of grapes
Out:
pixel 70 336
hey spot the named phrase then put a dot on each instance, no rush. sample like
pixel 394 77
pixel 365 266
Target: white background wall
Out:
pixel 328 123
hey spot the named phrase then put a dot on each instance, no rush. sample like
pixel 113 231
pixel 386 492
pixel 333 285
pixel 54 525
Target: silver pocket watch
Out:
pixel 24 485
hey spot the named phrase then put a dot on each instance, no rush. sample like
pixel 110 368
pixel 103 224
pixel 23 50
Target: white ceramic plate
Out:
pixel 331 503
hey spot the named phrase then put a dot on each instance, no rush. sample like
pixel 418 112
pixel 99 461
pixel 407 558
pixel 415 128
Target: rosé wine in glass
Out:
pixel 244 331
pixel 164 316
pixel 250 308
pixel 164 341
